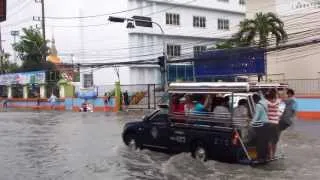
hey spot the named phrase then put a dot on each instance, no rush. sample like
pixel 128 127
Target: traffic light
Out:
pixel 161 62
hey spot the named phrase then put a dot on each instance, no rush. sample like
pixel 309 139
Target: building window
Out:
pixel 223 24
pixel 17 91
pixel 199 21
pixel 172 19
pixel 198 49
pixel 173 50
pixel 242 2
pixel 87 80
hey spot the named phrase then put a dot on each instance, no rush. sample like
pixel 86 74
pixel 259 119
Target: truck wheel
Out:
pixel 131 141
pixel 200 152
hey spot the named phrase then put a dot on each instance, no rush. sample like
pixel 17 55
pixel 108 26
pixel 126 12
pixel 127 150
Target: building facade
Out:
pixel 302 21
pixel 189 27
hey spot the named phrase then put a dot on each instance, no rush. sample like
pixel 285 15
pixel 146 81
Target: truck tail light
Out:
pixel 235 138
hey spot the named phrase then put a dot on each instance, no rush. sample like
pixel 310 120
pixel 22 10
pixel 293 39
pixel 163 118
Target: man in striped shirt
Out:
pixel 274 117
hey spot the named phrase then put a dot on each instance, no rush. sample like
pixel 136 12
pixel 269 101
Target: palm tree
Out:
pixel 32 49
pixel 260 30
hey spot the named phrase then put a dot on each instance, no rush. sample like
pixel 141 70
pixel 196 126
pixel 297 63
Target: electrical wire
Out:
pixel 99 15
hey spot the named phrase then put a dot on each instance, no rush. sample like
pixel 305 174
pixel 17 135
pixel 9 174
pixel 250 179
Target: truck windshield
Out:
pixel 151 114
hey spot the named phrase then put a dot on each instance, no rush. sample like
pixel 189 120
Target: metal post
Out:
pixel 149 96
pixel 72 60
pixel 15 34
pixel 43 24
pixel 154 96
pixel 164 56
pixel 194 73
pixel 15 53
pixel 0 41
pixel 266 65
pixel 43 21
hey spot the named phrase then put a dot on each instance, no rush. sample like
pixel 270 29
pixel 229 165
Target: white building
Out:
pixel 302 22
pixel 189 27
pixel 84 35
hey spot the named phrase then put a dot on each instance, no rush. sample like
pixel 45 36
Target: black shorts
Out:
pixel 274 131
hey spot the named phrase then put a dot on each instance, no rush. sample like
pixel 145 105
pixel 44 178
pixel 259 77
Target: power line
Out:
pixel 18 9
pixel 99 15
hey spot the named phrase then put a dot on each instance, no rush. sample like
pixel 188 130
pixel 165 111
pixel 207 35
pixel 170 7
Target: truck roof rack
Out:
pixel 216 87
pixel 259 86
pixel 209 87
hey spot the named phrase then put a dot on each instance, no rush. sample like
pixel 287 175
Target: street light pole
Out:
pixel 164 54
pixel 121 20
pixel 43 21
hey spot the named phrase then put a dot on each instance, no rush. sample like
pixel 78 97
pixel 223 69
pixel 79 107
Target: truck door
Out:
pixel 156 132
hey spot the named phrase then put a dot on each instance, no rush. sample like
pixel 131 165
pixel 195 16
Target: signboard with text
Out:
pixel 3 10
pixel 37 77
pixel 293 7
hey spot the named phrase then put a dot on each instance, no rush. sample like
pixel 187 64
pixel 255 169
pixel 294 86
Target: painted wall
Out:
pixel 309 108
pixel 254 6
pixel 301 23
pixel 67 104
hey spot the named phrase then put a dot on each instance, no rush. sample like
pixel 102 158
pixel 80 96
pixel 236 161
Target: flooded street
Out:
pixel 64 145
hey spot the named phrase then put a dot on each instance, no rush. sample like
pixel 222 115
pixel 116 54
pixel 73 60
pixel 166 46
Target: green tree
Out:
pixel 33 50
pixel 226 44
pixel 260 30
pixel 6 66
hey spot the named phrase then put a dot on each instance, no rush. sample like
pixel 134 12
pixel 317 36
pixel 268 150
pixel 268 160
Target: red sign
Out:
pixel 3 10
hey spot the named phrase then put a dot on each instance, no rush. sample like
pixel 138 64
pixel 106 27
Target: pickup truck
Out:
pixel 157 132
pixel 203 131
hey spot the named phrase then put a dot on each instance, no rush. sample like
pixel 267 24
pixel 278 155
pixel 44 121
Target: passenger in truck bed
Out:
pixel 222 106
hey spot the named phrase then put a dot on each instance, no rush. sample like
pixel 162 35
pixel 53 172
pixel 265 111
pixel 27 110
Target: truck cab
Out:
pixel 203 130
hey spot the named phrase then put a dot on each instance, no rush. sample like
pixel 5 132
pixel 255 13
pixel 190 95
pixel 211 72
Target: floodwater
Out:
pixel 55 145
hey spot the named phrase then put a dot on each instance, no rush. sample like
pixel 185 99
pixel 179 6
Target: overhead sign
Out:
pixel 3 10
pixel 37 77
pixel 237 61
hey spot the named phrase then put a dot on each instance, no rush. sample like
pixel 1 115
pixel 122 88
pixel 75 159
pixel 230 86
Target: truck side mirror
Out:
pixel 144 118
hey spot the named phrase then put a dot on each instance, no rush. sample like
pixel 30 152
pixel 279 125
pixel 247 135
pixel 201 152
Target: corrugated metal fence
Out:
pixel 304 86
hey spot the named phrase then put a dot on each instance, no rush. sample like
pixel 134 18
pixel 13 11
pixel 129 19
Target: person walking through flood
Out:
pixel 52 100
pixel 274 118
pixel 290 111
pixel 126 98
pixel 260 127
pixel 5 103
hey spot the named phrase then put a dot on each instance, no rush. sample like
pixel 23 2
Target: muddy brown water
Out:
pixel 55 145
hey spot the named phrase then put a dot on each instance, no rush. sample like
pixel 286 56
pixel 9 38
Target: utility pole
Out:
pixel 43 25
pixel 15 34
pixel 43 21
pixel 1 52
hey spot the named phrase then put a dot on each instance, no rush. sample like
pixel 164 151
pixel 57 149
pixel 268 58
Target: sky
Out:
pixel 85 38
